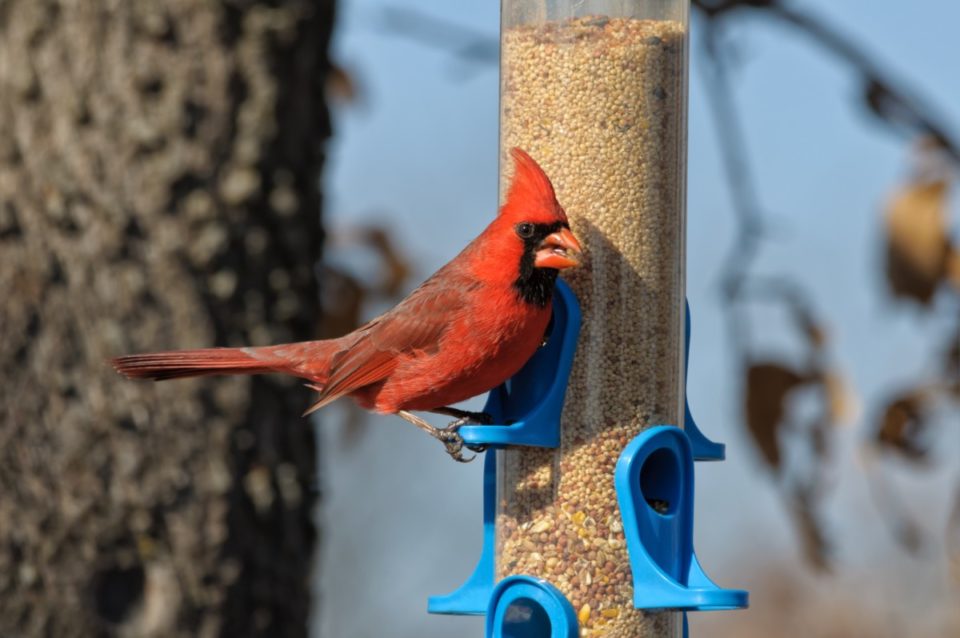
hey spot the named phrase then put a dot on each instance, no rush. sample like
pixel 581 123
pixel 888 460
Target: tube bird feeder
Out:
pixel 588 505
pixel 596 91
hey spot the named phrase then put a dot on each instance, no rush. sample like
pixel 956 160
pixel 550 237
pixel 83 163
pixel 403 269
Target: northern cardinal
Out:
pixel 465 330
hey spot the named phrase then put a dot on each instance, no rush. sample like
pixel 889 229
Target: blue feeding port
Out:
pixel 526 409
pixel 703 448
pixel 654 480
pixel 473 597
pixel 527 607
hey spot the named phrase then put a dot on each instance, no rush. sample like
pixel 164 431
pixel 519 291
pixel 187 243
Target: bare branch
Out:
pixel 890 100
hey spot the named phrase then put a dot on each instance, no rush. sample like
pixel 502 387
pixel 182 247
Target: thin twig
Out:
pixel 740 179
pixel 890 100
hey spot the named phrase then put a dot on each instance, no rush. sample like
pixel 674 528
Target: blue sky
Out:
pixel 420 153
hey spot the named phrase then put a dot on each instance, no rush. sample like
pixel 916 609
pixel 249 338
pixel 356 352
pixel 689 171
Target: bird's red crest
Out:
pixel 531 195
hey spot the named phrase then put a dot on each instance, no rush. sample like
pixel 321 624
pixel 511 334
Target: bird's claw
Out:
pixel 453 441
pixel 454 444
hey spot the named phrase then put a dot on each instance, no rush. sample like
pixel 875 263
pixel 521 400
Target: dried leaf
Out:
pixel 903 427
pixel 842 401
pixel 767 388
pixel 917 242
pixel 342 85
pixel 397 269
pixel 953 267
pixel 815 332
pixel 344 294
pixel 342 300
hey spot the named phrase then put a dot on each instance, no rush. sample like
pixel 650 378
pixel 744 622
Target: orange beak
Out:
pixel 559 250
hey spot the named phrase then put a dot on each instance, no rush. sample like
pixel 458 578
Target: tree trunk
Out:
pixel 159 188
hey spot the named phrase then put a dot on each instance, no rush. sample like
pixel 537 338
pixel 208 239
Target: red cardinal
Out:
pixel 465 330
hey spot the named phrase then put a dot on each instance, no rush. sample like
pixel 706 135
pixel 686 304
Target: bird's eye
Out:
pixel 525 230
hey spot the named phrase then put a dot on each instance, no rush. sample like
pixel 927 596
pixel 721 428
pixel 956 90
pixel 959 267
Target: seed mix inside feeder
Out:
pixel 598 97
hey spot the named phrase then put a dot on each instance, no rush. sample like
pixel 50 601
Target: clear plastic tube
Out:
pixel 596 91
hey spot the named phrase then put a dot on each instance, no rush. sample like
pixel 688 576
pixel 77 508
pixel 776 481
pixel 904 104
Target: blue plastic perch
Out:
pixel 654 480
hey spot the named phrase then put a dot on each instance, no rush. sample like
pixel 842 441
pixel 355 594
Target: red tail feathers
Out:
pixel 196 363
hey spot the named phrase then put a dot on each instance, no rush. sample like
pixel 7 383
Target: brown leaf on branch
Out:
pixel 342 85
pixel 840 397
pixel 815 333
pixel 953 267
pixel 396 267
pixel 342 301
pixel 810 326
pixel 345 295
pixel 918 248
pixel 903 427
pixel 768 386
pixel 921 260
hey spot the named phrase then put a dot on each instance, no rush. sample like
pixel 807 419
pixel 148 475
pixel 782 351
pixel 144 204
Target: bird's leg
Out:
pixel 450 438
pixel 420 423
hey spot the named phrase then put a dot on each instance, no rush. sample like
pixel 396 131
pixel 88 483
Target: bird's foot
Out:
pixel 449 436
pixel 454 445
pixel 452 433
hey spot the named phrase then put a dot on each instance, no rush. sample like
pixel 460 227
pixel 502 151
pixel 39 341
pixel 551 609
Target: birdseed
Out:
pixel 601 104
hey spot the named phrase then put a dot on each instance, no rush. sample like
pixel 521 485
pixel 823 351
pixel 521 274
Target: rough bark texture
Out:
pixel 159 171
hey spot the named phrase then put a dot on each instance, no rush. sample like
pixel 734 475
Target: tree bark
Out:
pixel 159 188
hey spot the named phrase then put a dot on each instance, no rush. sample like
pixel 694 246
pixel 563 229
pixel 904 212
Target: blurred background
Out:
pixel 162 167
pixel 834 505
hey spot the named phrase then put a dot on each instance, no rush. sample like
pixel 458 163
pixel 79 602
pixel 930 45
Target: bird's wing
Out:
pixel 416 324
